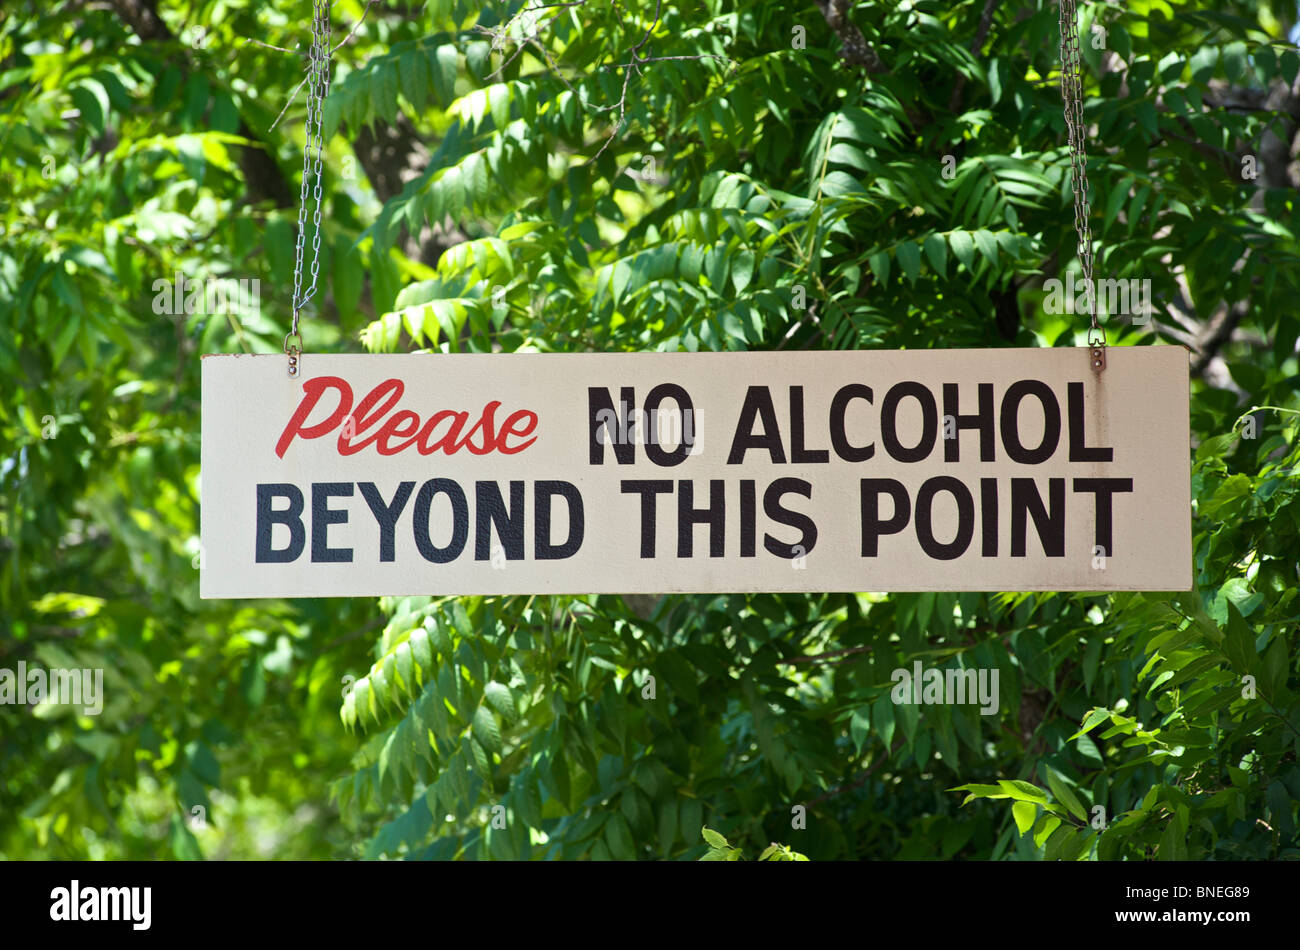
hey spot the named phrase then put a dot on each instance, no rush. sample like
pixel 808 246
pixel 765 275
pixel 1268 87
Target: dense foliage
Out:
pixel 717 174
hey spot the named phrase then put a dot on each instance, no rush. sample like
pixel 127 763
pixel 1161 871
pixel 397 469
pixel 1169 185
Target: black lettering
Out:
pixel 965 517
pixel 267 517
pixel 773 508
pixel 1050 525
pixel 602 415
pixel 647 488
pixel 758 402
pixel 1011 422
pixel 322 516
pixel 1080 451
pixel 889 422
pixel 386 514
pixel 543 492
pixel 872 526
pixel 798 454
pixel 748 530
pixel 490 512
pixel 982 420
pixel 653 451
pixel 715 516
pixel 459 520
pixel 839 438
pixel 1103 488
pixel 989 516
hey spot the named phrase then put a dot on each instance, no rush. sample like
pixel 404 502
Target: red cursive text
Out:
pixel 390 434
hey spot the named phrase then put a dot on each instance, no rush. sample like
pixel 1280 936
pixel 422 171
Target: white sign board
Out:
pixel 1008 469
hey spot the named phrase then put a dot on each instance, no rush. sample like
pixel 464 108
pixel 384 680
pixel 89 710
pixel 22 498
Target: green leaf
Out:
pixel 184 846
pixel 1280 805
pixel 937 252
pixel 405 666
pixel 882 716
pixel 714 839
pixel 1289 64
pixel 421 651
pixel 1094 718
pixel 1216 446
pixel 981 791
pixel 486 730
pixel 963 248
pixel 618 836
pixel 1061 844
pixel 988 246
pixel 1064 794
pixel 444 66
pixel 742 270
pixel 448 689
pixel 1238 641
pixel 380 686
pixel 1046 827
pixel 67 334
pixel 1275 668
pixel 1025 813
pixel 860 727
pixel 845 154
pixel 1233 58
pixel 439 639
pixel 909 260
pixel 1023 791
pixel 880 267
pixel 91 99
pixel 1173 844
pixel 498 696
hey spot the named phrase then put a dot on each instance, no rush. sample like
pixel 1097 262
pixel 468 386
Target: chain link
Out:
pixel 318 83
pixel 318 88
pixel 1072 100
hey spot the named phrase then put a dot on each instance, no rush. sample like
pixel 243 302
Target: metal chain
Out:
pixel 1072 100
pixel 318 84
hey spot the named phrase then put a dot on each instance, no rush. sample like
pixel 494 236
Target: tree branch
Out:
pixel 855 50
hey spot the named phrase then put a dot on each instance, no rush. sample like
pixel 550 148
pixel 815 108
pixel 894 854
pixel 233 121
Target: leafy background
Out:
pixel 626 177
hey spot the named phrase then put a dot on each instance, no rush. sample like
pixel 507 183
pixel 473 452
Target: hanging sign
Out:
pixel 1008 469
